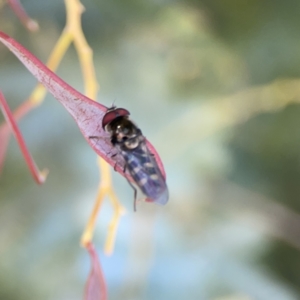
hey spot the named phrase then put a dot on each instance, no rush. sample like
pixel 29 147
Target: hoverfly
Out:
pixel 129 141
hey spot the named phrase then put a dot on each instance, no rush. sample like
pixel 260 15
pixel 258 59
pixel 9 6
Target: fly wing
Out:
pixel 143 168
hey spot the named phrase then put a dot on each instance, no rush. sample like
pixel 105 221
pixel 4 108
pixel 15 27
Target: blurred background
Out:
pixel 214 85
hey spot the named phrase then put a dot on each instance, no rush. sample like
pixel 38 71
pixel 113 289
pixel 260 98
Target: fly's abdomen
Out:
pixel 146 174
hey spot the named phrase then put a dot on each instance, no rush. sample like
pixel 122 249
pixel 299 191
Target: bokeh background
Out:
pixel 214 85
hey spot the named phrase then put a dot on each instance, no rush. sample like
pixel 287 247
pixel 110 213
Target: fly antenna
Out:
pixel 113 106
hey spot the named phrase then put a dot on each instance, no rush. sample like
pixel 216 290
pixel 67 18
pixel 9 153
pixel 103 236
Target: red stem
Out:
pixel 39 178
pixel 20 12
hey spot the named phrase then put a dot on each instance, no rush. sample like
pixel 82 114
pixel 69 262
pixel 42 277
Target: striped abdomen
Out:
pixel 146 174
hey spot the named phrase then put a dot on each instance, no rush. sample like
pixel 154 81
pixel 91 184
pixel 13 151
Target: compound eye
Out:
pixel 112 114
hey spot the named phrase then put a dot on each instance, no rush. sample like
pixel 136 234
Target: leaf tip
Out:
pixel 42 176
pixel 32 25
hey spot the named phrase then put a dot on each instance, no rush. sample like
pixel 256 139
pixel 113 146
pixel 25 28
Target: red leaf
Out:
pixel 95 287
pixel 87 113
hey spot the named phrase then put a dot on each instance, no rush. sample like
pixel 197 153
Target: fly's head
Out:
pixel 122 130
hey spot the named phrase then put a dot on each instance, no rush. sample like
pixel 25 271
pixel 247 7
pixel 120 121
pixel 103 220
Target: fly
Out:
pixel 128 139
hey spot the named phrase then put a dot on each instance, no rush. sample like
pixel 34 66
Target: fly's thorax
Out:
pixel 132 143
pixel 124 133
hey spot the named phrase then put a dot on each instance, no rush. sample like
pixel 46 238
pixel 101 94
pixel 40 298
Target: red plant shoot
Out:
pixel 95 288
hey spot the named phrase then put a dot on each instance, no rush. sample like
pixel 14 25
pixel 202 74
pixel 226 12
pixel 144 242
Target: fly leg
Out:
pixel 135 195
pixel 116 164
pixel 134 188
pixel 94 137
